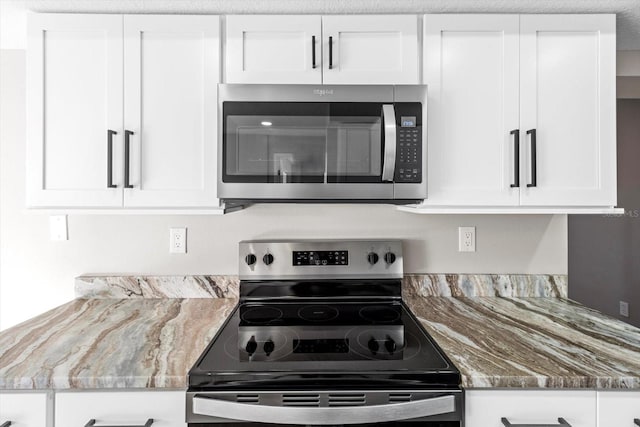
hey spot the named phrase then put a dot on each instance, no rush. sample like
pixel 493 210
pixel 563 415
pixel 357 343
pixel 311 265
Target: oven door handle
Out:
pixel 389 161
pixel 213 407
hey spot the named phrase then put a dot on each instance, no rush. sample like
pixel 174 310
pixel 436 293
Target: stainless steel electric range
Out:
pixel 321 336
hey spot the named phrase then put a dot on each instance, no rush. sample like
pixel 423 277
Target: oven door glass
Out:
pixel 286 142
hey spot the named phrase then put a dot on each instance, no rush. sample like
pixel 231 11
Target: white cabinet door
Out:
pixel 23 409
pixel 471 69
pixel 618 408
pixel 170 86
pixel 166 408
pixel 567 94
pixel 74 97
pixel 273 49
pixel 368 49
pixel 486 408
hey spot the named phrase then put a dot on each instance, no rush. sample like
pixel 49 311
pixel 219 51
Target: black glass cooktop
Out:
pixel 322 343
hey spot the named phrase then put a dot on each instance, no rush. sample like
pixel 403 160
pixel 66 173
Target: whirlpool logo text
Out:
pixel 323 92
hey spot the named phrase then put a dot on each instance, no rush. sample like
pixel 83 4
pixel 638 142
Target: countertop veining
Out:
pixel 532 342
pixel 110 343
pixel 153 342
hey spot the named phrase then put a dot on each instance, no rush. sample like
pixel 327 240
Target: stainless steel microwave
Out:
pixel 322 143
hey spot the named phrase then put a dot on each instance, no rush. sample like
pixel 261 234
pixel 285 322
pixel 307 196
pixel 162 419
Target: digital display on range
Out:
pixel 306 258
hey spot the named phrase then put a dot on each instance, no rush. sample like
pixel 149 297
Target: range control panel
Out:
pixel 260 260
pixel 337 257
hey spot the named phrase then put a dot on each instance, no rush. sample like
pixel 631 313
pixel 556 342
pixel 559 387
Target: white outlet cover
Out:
pixel 466 239
pixel 178 240
pixel 58 228
pixel 624 309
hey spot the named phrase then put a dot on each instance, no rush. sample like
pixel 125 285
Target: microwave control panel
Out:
pixel 409 151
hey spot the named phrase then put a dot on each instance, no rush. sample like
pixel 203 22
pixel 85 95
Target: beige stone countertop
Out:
pixel 111 343
pixel 153 342
pixel 532 342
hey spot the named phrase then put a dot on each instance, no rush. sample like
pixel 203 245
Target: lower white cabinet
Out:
pixel 23 409
pixel 486 408
pixel 134 408
pixel 618 408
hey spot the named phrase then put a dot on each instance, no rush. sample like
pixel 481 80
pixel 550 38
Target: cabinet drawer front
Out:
pixel 24 409
pixel 485 408
pixel 167 408
pixel 618 408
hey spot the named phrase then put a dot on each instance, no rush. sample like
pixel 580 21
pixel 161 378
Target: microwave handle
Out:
pixel 389 160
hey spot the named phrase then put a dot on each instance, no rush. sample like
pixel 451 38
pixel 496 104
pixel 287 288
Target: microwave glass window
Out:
pixel 303 142
pixel 277 148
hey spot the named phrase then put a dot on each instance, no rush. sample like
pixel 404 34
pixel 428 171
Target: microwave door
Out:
pixel 389 165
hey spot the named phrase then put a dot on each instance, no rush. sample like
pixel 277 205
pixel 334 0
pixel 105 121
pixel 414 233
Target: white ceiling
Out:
pixel 13 12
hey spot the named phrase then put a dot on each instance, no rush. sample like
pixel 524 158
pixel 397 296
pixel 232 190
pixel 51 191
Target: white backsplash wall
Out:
pixel 37 274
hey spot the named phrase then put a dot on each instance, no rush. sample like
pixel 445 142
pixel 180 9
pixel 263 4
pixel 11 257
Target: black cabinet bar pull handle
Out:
pixel 561 422
pixel 516 158
pixel 330 52
pixel 92 422
pixel 313 52
pixel 6 424
pixel 534 164
pixel 127 134
pixel 110 183
pixel 636 421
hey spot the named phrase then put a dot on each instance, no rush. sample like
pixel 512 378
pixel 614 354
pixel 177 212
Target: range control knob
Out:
pixel 268 347
pixel 390 345
pixel 372 257
pixel 390 257
pixel 267 259
pixel 252 346
pixel 373 345
pixel 250 259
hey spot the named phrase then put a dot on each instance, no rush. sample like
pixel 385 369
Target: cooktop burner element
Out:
pixel 261 314
pixel 306 327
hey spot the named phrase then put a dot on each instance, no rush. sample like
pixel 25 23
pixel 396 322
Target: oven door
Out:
pixel 308 150
pixel 430 408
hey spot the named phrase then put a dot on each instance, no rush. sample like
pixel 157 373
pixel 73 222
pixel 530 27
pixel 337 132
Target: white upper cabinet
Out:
pixel 274 49
pixel 370 49
pixel 122 111
pixel 521 110
pixel 74 97
pixel 170 95
pixel 308 49
pixel 567 89
pixel 471 68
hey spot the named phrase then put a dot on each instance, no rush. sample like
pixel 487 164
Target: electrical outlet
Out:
pixel 466 239
pixel 624 309
pixel 178 240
